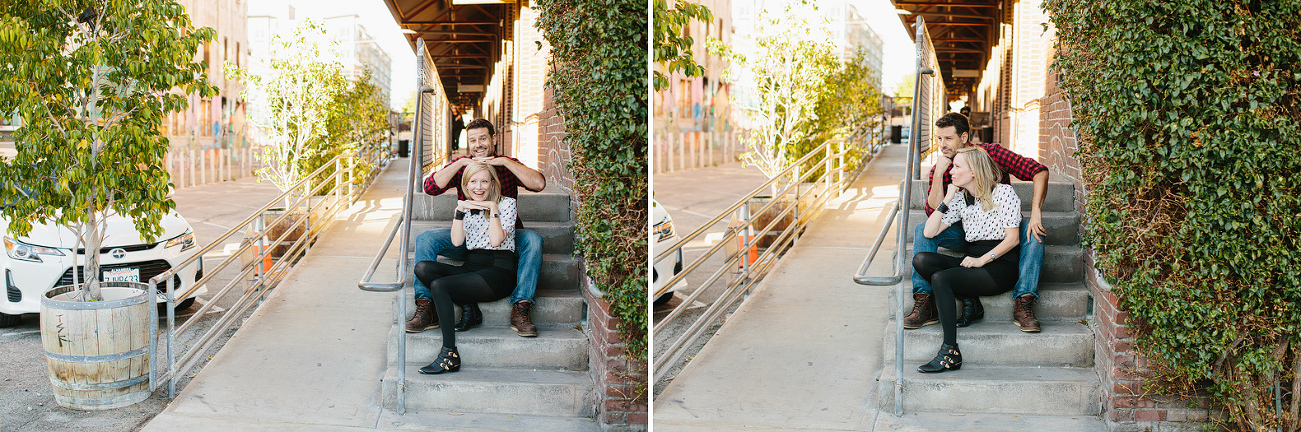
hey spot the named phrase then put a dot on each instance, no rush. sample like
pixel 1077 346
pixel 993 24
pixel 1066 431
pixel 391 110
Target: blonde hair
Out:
pixel 985 174
pixel 473 168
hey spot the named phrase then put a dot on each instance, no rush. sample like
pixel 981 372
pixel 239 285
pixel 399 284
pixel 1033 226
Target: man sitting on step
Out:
pixel 429 244
pixel 952 132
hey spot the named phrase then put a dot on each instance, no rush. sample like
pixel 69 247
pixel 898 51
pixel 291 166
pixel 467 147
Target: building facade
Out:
pixel 217 121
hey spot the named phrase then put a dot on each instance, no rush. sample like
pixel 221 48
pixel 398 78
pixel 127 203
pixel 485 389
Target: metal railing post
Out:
pixel 260 230
pixel 171 337
pixel 747 233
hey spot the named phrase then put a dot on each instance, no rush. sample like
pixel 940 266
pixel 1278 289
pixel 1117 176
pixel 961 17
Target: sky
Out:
pixel 379 23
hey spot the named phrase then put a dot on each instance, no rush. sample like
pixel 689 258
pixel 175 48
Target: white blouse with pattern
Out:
pixel 986 225
pixel 476 227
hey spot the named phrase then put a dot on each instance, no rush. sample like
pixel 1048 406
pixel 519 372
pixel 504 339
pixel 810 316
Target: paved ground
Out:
pixel 797 349
pixel 691 206
pixel 26 400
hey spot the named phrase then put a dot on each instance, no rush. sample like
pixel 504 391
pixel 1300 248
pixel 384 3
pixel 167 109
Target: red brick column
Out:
pixel 1126 405
pixel 619 406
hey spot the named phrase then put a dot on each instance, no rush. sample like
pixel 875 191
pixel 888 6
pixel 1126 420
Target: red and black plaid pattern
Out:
pixel 1011 163
pixel 509 183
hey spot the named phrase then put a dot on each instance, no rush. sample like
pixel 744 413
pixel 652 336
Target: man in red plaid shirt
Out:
pixel 952 132
pixel 428 245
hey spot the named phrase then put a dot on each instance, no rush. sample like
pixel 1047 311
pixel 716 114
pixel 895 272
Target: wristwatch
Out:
pixel 992 256
pixel 494 215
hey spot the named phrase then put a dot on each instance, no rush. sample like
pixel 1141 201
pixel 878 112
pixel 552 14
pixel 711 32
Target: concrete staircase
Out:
pixel 1004 370
pixel 505 380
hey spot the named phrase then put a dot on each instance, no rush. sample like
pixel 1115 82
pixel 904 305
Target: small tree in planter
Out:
pixel 92 82
pixel 292 101
pixel 310 112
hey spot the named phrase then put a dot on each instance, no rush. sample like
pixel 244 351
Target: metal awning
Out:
pixel 963 31
pixel 463 37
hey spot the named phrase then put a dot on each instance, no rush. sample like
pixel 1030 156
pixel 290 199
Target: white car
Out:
pixel 42 260
pixel 663 236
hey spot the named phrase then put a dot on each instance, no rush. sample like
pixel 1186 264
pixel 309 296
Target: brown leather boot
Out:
pixel 923 314
pixel 426 317
pixel 520 320
pixel 1023 314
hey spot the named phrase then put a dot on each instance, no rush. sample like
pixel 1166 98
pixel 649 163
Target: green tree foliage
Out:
pixel 1189 114
pixel 309 110
pixel 793 73
pixel 672 44
pixel 848 101
pixel 598 56
pixel 92 95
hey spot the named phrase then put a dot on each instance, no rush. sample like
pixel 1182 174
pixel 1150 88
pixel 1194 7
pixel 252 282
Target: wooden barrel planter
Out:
pixel 99 352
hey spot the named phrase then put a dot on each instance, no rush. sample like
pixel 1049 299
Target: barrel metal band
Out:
pixel 100 403
pixel 98 358
pixel 103 386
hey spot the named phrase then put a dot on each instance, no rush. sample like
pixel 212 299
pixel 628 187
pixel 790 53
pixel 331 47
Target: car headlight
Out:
pixel 186 241
pixel 664 231
pixel 25 252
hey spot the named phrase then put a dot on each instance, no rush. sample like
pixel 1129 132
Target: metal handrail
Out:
pixel 424 78
pixel 913 169
pixel 833 179
pixel 265 279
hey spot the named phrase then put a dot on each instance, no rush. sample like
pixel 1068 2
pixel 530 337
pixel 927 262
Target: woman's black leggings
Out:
pixel 950 279
pixel 470 283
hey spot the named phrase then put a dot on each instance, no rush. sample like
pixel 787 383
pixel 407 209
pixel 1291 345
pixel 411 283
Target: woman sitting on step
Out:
pixel 485 224
pixel 991 216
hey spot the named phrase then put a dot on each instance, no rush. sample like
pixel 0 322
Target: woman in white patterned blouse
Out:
pixel 991 217
pixel 485 224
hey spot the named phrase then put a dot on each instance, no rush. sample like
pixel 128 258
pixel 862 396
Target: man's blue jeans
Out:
pixel 954 238
pixel 528 248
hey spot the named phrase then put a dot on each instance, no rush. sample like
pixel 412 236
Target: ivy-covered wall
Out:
pixel 599 84
pixel 1189 124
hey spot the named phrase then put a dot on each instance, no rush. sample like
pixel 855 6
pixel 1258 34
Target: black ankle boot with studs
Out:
pixel 949 358
pixel 448 361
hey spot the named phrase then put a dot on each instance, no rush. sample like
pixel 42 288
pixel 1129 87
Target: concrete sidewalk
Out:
pixel 803 352
pixel 311 358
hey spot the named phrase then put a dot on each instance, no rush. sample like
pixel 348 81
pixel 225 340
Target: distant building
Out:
pixel 860 36
pixel 216 121
pixel 356 49
pixel 359 51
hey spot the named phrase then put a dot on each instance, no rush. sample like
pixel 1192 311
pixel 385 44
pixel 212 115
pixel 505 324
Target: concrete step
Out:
pixel 982 422
pixel 481 422
pixel 1065 302
pixel 1061 263
pixel 559 272
pixel 557 347
pixel 993 389
pixel 557 237
pixel 559 307
pixel 1063 227
pixel 1060 344
pixel 481 389
pixel 1061 196
pixel 545 206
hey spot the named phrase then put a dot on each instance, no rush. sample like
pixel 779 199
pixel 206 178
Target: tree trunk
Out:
pixel 93 238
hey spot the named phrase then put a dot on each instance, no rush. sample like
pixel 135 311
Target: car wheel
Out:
pixel 664 298
pixel 7 320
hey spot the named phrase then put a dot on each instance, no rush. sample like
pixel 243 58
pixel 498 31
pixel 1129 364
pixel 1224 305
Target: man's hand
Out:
pixel 493 161
pixel 1036 227
pixel 942 164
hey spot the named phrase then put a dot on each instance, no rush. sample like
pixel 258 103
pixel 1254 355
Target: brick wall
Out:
pixel 1126 405
pixel 1057 143
pixel 618 406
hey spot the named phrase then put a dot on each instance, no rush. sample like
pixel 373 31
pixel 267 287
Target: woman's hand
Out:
pixel 951 192
pixel 475 205
pixel 972 262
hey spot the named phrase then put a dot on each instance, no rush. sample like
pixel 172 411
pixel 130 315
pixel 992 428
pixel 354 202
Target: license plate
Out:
pixel 122 275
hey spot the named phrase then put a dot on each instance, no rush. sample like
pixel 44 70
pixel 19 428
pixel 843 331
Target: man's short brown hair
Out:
pixel 958 121
pixel 481 123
